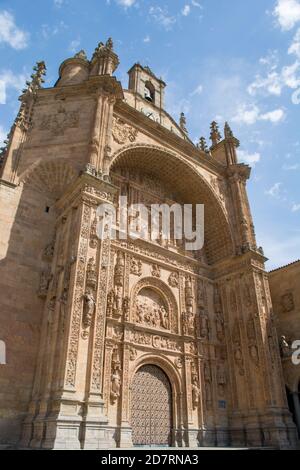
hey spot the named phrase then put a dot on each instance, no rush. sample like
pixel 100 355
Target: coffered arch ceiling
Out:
pixel 189 185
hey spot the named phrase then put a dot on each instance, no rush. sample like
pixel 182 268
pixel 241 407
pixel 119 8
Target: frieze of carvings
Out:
pixel 155 271
pixel 88 312
pixel 135 267
pixel 287 302
pixel 173 280
pixel 221 379
pixel 155 341
pixel 116 380
pixel 103 195
pixel 152 312
pixel 117 333
pixel 58 123
pixel 145 251
pixel 123 132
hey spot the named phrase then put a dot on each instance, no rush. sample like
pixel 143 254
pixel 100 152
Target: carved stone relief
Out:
pixel 151 310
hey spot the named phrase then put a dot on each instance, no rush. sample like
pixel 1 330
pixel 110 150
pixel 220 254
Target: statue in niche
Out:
pixel 110 303
pixel 204 325
pixel 115 385
pixel 220 327
pixel 89 308
pixel 195 391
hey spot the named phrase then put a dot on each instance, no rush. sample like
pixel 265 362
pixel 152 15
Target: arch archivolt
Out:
pixel 191 185
pixel 163 292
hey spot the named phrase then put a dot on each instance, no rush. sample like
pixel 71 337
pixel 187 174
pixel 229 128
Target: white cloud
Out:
pixel 274 191
pixel 196 4
pixel 186 10
pixel 287 13
pixel 74 45
pixel 274 81
pixel 249 158
pixel 250 114
pixel 10 33
pixel 296 207
pixel 161 16
pixel 147 39
pixel 273 116
pixel 8 79
pixel 198 90
pixel 126 3
pixel 295 45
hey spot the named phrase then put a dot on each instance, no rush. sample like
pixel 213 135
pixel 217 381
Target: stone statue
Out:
pixel 182 123
pixel 89 308
pixel 115 385
pixel 195 392
pixel 164 318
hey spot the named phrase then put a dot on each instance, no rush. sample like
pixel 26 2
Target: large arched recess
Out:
pixel 191 187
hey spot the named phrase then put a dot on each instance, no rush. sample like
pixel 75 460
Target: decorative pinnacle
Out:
pixel 202 145
pixel 214 133
pixel 36 78
pixel 227 131
pixel 182 122
pixel 228 134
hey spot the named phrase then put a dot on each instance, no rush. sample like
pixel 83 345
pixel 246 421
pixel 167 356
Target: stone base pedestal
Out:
pixel 125 441
pixel 193 438
pixel 222 437
pixel 207 437
pixel 62 434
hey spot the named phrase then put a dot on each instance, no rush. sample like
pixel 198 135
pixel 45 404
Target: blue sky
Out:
pixel 235 60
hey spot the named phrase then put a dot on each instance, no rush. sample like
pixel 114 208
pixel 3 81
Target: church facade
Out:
pixel 129 342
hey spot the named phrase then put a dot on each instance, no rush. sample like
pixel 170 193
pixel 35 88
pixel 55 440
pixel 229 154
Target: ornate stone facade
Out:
pixel 94 325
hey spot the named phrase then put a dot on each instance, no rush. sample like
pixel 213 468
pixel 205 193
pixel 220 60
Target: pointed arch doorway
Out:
pixel 151 407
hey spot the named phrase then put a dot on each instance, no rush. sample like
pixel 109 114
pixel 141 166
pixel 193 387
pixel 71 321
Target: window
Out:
pixel 2 352
pixel 149 93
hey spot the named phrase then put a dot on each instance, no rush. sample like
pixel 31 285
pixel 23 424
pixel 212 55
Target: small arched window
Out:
pixel 149 93
pixel 2 352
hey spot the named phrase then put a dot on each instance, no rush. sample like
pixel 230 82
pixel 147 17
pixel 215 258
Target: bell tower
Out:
pixel 144 83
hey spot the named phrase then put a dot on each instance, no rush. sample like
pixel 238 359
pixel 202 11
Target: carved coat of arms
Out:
pixel 123 132
pixel 59 122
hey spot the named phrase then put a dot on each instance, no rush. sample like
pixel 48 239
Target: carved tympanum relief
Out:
pixel 151 310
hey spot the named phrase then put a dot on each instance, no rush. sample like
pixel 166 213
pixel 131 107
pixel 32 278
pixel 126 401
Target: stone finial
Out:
pixel 81 55
pixel 202 145
pixel 109 44
pixel 214 133
pixel 228 134
pixel 182 123
pixel 39 71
